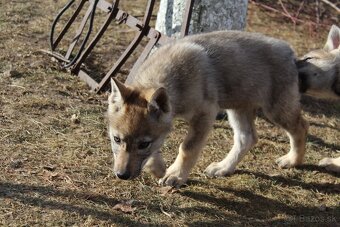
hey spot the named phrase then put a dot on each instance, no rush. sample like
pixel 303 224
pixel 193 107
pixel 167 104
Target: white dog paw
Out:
pixel 325 162
pixel 219 169
pixel 174 178
pixel 329 165
pixel 287 161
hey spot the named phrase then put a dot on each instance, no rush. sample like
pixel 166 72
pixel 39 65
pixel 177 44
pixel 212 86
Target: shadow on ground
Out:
pixel 259 210
pixel 23 193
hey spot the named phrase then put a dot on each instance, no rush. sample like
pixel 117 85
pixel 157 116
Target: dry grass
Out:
pixel 58 172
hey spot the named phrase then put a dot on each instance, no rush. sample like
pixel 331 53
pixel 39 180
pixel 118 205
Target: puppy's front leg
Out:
pixel 199 127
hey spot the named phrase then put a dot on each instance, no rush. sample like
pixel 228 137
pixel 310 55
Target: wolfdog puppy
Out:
pixel 319 73
pixel 193 78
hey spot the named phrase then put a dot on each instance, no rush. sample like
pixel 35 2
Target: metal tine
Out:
pixel 133 45
pixel 55 43
pixel 148 12
pixel 143 29
pixel 100 33
pixel 152 42
pixel 79 31
pixel 119 63
pixel 187 18
pixel 87 36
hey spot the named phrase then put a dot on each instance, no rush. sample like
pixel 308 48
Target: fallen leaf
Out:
pixel 125 207
pixel 167 190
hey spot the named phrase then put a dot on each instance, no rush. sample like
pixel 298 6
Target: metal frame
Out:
pixel 113 14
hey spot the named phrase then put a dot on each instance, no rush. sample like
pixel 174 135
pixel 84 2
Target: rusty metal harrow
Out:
pixel 74 62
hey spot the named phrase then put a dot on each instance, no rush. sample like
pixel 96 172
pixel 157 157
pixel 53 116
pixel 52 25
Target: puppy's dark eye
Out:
pixel 143 145
pixel 116 139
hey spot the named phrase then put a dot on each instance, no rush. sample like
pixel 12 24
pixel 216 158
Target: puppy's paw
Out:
pixel 174 177
pixel 172 180
pixel 158 171
pixel 288 161
pixel 156 165
pixel 325 162
pixel 329 164
pixel 219 169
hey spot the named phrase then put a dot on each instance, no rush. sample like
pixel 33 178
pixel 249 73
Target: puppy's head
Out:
pixel 319 70
pixel 139 121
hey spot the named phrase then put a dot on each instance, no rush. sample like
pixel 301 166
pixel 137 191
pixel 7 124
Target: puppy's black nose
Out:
pixel 123 176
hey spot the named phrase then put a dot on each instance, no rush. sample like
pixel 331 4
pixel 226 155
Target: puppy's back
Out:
pixel 236 68
pixel 249 67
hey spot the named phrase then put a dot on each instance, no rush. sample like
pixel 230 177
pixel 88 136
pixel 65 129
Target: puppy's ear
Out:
pixel 118 91
pixel 333 39
pixel 159 102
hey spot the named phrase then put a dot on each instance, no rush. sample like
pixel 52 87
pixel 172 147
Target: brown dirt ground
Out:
pixel 58 172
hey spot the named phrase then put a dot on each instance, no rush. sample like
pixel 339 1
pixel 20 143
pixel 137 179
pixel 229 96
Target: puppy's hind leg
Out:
pixel 245 137
pixel 296 127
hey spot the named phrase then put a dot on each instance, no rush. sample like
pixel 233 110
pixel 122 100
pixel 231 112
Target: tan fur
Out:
pixel 193 78
pixel 319 73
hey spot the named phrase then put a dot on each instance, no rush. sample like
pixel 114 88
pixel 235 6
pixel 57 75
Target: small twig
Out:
pixel 44 51
pixel 331 5
pixel 38 123
pixel 284 14
pixel 13 85
pixel 287 13
pixel 4 137
pixel 166 213
pixel 300 8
